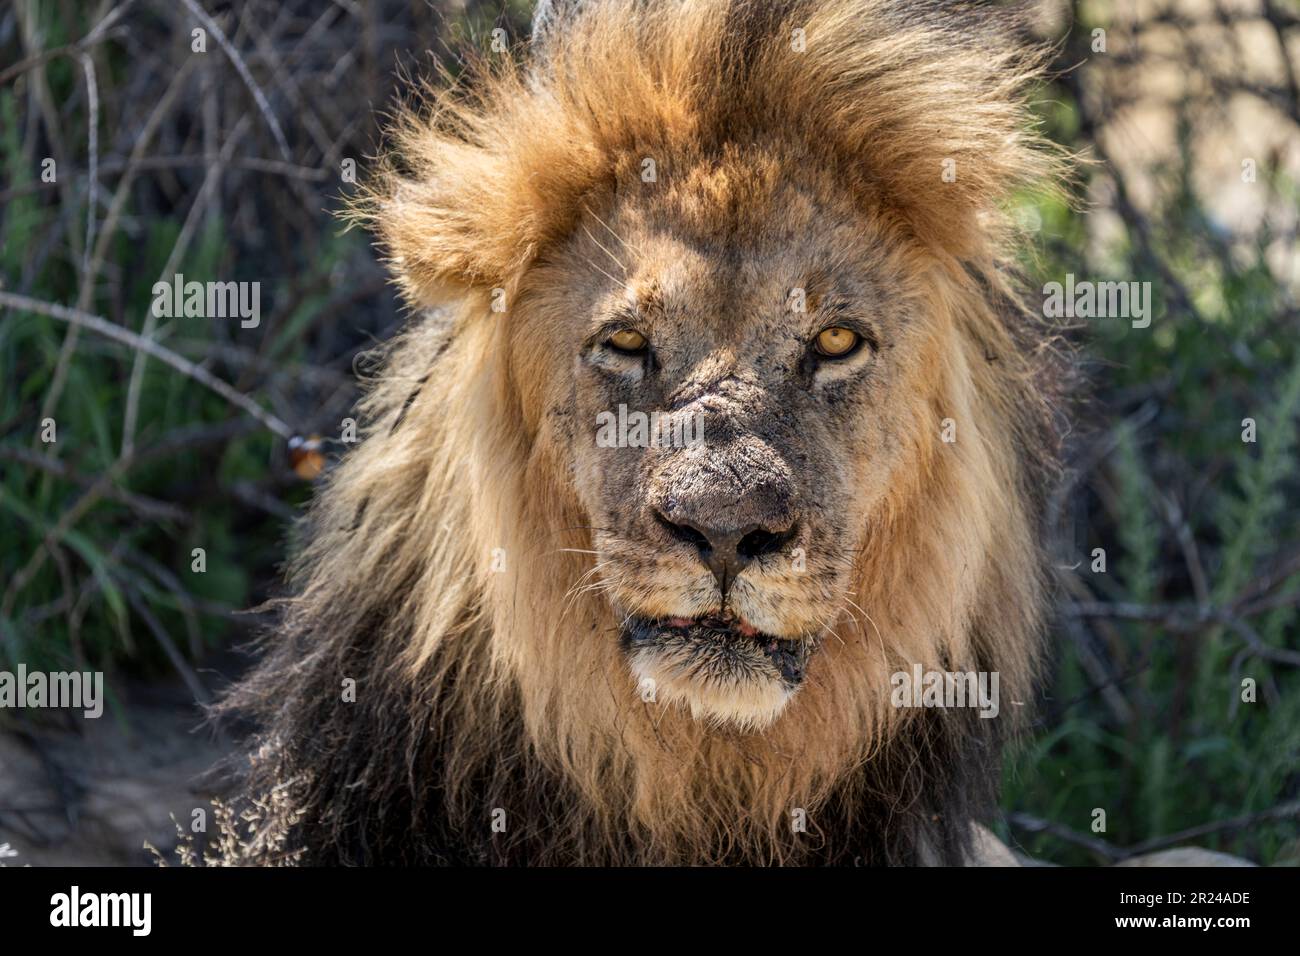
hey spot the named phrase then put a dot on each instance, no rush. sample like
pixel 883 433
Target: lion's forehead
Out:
pixel 756 294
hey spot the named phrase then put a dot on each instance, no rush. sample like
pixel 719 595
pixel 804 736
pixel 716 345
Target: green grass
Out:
pixel 1172 398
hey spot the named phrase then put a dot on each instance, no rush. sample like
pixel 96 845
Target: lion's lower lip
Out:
pixel 729 623
pixel 788 655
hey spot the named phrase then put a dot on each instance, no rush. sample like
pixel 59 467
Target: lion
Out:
pixel 507 642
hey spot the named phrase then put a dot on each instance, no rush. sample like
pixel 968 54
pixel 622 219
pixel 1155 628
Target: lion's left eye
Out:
pixel 835 342
pixel 628 341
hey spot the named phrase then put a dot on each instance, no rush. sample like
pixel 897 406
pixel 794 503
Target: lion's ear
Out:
pixel 470 209
pixel 438 239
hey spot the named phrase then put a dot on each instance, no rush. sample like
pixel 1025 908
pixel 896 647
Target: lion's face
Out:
pixel 726 534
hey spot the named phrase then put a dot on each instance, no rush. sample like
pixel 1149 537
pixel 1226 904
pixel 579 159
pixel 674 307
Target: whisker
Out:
pixel 870 620
pixel 576 587
pixel 830 630
pixel 607 275
pixel 609 229
pixel 603 249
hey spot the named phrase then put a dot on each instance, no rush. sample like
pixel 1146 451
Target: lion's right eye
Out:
pixel 628 341
pixel 836 342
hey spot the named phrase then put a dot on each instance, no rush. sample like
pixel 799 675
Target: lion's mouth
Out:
pixel 721 644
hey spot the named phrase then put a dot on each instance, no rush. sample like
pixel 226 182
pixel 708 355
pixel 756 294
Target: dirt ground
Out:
pixel 92 795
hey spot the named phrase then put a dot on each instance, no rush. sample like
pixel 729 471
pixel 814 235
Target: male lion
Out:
pixel 781 220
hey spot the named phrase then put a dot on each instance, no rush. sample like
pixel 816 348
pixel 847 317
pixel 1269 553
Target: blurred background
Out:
pixel 127 156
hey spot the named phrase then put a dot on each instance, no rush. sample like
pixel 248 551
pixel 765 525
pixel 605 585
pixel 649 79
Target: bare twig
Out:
pixel 163 354
pixel 1113 854
pixel 142 505
pixel 1098 847
pixel 92 154
pixel 179 248
pixel 1286 811
pixel 168 645
pixel 258 96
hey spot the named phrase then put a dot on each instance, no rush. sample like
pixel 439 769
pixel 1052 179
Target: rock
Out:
pixel 1186 856
pixel 93 796
pixel 988 850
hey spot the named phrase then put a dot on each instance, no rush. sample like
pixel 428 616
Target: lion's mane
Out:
pixel 489 692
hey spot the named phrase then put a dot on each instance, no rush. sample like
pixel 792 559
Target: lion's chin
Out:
pixel 724 672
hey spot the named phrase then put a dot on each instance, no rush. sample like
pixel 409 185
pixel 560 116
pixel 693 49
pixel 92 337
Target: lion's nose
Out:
pixel 727 551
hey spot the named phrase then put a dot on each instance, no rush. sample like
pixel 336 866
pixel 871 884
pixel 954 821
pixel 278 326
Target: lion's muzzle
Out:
pixel 730 505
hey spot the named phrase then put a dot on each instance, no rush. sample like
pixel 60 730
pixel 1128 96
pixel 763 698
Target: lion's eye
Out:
pixel 629 341
pixel 835 342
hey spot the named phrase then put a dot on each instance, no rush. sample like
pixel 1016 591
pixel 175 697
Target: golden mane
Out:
pixel 494 169
pixel 484 686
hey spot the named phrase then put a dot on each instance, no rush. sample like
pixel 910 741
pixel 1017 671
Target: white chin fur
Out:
pixel 750 704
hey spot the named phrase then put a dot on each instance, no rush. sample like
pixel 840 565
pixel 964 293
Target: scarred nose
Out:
pixel 732 503
pixel 728 550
